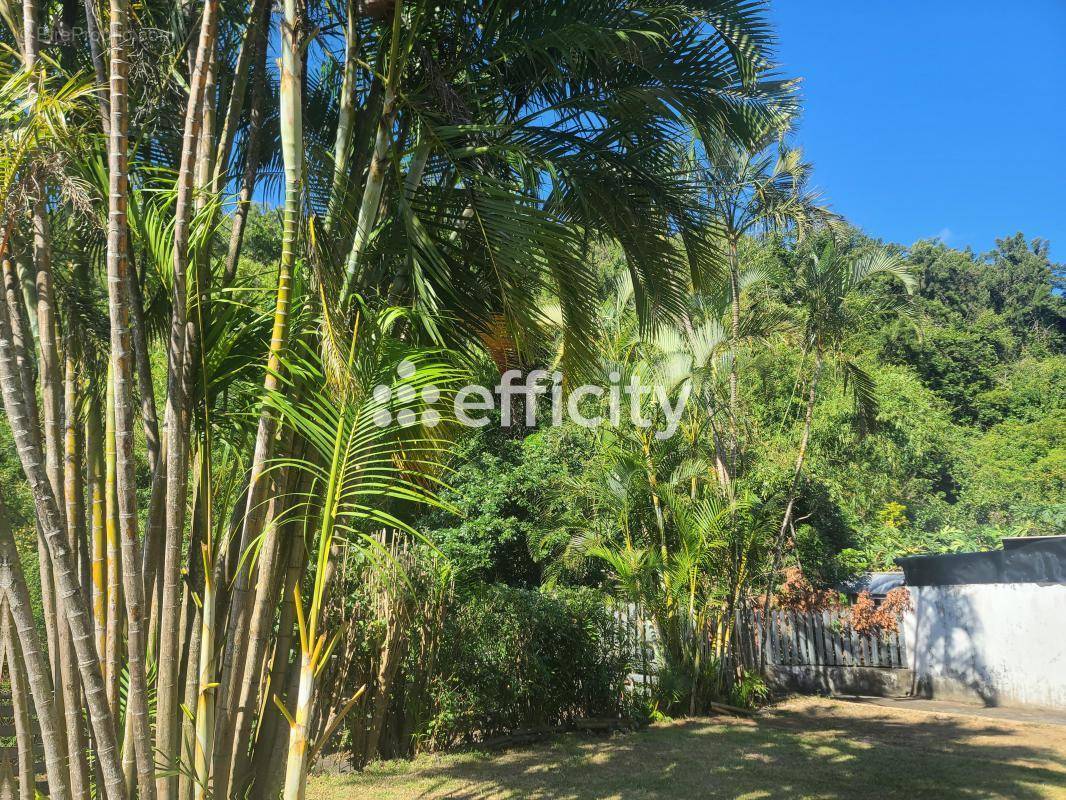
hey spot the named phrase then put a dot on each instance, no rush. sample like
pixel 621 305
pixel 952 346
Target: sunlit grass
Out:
pixel 807 748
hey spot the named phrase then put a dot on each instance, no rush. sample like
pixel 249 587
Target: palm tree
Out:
pixel 235 692
pixel 16 671
pixel 463 160
pixel 835 297
pixel 754 191
pixel 363 468
pixel 119 279
pixel 177 412
pixel 16 601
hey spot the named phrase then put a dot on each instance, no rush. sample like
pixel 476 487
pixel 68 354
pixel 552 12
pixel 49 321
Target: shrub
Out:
pixel 867 617
pixel 515 658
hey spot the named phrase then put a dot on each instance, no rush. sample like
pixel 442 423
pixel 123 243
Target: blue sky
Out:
pixel 936 118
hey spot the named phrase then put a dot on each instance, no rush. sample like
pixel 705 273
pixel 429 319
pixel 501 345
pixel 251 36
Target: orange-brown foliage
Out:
pixel 797 594
pixel 867 617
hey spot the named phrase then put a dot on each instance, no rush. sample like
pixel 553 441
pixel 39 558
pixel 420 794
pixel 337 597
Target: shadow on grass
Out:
pixel 794 753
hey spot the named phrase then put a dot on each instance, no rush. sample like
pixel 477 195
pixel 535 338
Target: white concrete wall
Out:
pixel 1000 643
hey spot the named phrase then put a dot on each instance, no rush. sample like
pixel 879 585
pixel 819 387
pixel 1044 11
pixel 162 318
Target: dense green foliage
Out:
pixel 606 189
pixel 517 658
pixel 968 443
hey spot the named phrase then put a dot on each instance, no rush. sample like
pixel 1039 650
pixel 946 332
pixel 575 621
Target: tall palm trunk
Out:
pixel 266 760
pixel 342 145
pixel 371 201
pixel 204 734
pixel 251 154
pixel 142 361
pixel 118 284
pixel 19 605
pixel 16 671
pixel 92 30
pixel 734 336
pixel 66 573
pixel 94 448
pixel 72 492
pixel 252 43
pixel 296 761
pixel 292 152
pixel 51 382
pixel 790 505
pixel 113 556
pixel 261 624
pixel 379 160
pixel 176 418
pixel 20 338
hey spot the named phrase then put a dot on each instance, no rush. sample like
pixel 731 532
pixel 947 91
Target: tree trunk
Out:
pixel 375 182
pixel 282 680
pixel 342 145
pixel 261 623
pixel 142 359
pixel 252 43
pixel 72 488
pixel 50 377
pixel 204 735
pixel 176 418
pixel 66 574
pixel 19 704
pixel 194 626
pixel 292 151
pixel 296 761
pixel 113 556
pixel 13 586
pixel 94 448
pixel 251 158
pixel 734 337
pixel 92 30
pixel 119 293
pixel 801 456
pixel 19 338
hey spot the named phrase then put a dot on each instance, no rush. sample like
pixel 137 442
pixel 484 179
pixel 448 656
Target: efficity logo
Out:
pixel 475 406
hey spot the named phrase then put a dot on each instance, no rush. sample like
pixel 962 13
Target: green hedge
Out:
pixel 514 659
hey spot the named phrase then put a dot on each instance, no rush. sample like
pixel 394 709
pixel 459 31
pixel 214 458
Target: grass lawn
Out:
pixel 805 748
